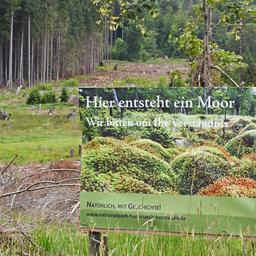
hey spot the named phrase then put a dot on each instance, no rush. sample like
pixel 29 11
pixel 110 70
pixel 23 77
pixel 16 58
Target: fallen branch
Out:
pixel 7 167
pixel 75 208
pixel 49 171
pixel 32 189
pixel 226 74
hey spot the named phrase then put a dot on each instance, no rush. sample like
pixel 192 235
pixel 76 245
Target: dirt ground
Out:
pixel 134 70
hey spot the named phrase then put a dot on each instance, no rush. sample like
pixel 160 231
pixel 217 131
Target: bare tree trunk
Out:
pixel 58 57
pixel 29 51
pixel 9 83
pixel 6 63
pixel 16 56
pixel 51 57
pixel 47 56
pixel 32 76
pixel 205 76
pixel 21 58
pixel 44 57
pixel 1 64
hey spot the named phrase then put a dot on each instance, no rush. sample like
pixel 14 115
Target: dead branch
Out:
pixel 32 188
pixel 226 74
pixel 40 172
pixel 13 199
pixel 7 167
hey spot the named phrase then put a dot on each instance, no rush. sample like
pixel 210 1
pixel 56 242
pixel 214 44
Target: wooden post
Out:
pixel 98 244
pixel 105 245
pixel 94 243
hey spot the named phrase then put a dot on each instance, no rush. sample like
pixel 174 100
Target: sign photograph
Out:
pixel 168 160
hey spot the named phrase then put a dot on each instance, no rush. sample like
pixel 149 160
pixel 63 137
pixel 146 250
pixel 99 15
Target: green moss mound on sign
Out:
pixel 110 156
pixel 198 168
pixel 231 187
pixel 249 127
pixel 153 148
pixel 215 150
pixel 113 183
pixel 239 125
pixel 248 167
pixel 125 184
pixel 244 143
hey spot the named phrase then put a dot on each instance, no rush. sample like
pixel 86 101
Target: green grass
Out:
pixel 138 81
pixel 36 138
pixel 65 239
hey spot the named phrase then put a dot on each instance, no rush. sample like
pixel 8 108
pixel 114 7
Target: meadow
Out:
pixel 37 137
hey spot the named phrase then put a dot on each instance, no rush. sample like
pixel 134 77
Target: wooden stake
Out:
pixel 105 245
pixel 94 243
pixel 98 244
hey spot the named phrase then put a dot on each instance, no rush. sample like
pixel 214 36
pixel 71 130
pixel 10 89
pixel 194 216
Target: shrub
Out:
pixel 64 97
pixel 119 50
pixel 127 184
pixel 50 97
pixel 92 131
pixel 176 79
pixel 91 181
pixel 118 132
pixel 244 143
pixel 159 135
pixel 70 83
pixel 232 131
pixel 153 148
pixel 216 150
pixel 239 125
pixel 111 156
pixel 231 186
pixel 248 167
pixel 44 87
pixel 34 98
pixel 249 127
pixel 199 168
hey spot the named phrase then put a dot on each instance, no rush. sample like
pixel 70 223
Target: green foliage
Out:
pixel 37 138
pixel 119 50
pixel 159 135
pixel 134 42
pixel 64 97
pixel 176 79
pixel 244 143
pixel 126 184
pixel 249 127
pixel 236 191
pixel 189 43
pixel 109 156
pixel 44 87
pixel 91 181
pixel 199 168
pixel 91 131
pixel 231 187
pixel 58 238
pixel 70 83
pixel 34 97
pixel 153 148
pixel 50 97
pixel 248 167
